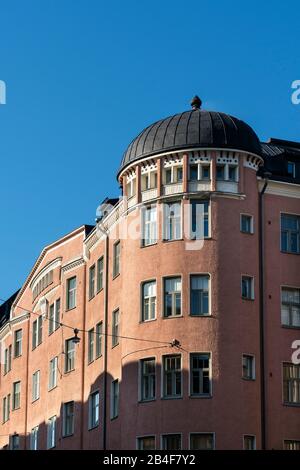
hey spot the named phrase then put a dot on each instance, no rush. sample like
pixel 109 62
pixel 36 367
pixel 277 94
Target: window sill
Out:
pixel 164 240
pixel 68 435
pixel 92 297
pixel 200 396
pixel 66 372
pixel 141 322
pixel 293 405
pixel 52 388
pixel 290 252
pixel 115 276
pixel 69 309
pixel 98 357
pixel 179 397
pixel 150 244
pixel 290 327
pixel 100 290
pixel 247 298
pixel 93 427
pixel 35 400
pixel 90 362
pixel 172 317
pixel 113 418
pixel 15 409
pixel 16 357
pixel 200 315
pixel 249 379
pixel 246 233
pixel 114 345
pixel 149 400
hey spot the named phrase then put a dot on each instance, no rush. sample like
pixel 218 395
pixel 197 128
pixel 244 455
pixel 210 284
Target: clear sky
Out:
pixel 84 77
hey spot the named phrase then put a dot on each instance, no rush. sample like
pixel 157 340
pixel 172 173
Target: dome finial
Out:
pixel 196 102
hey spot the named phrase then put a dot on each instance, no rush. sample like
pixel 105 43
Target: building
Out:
pixel 170 324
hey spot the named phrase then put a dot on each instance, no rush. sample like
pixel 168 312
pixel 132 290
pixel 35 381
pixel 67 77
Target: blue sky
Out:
pixel 84 77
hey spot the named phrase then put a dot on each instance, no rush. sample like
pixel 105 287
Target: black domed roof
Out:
pixel 190 129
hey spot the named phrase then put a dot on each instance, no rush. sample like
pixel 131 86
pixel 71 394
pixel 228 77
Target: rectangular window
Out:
pixel 149 300
pixel 98 340
pixel 100 270
pixel 37 332
pixel 36 386
pixel 94 407
pixel 290 233
pixel 51 432
pixel 205 172
pixel 291 383
pixel 7 360
pixel 291 445
pixel 199 213
pixel 68 418
pixel 168 176
pixel 69 355
pixel 201 441
pixel 220 172
pixel 53 366
pixel 91 342
pixel 290 307
pixel 248 367
pixel 114 409
pixel 71 293
pixel 147 379
pixel 232 173
pixel 34 438
pixel 171 442
pixel 54 316
pixel 291 169
pixel 149 224
pixel 200 375
pixel 116 260
pixel 172 221
pixel 6 409
pixel 172 376
pixel 92 281
pixel 172 297
pixel 247 287
pixel 18 343
pixel 193 172
pixel 15 442
pixel 146 443
pixel 179 174
pixel 199 295
pixel 16 395
pixel 115 328
pixel 246 223
pixel 249 443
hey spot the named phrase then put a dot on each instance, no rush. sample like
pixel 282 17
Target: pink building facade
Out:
pixel 186 298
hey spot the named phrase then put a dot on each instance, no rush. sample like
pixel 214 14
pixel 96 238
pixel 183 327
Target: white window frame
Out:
pixel 143 298
pixel 170 434
pixel 71 297
pixel 51 432
pixel 253 367
pixel 252 293
pixel 251 223
pixel 36 380
pixel 177 221
pixel 150 226
pixel 65 433
pixel 164 279
pixel 93 420
pixel 163 380
pixel 114 399
pixel 249 435
pixel 290 325
pixel 204 433
pixel 138 438
pixel 34 438
pixel 53 368
pixel 141 392
pixel 201 395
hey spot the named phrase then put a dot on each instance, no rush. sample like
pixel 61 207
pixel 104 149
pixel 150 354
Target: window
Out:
pixel 290 233
pixel 114 408
pixel 68 419
pixel 220 170
pixel 18 343
pixel 15 442
pixel 198 171
pixel 69 355
pixel 146 443
pixel 71 293
pixel 148 379
pixel 53 366
pixel 193 172
pixel 149 223
pixel 199 212
pixel 98 340
pixel 6 409
pixel 200 379
pixel 205 172
pixel 247 288
pixel 172 297
pixel 246 223
pixel 168 176
pixel 7 360
pixel 91 341
pixel 54 316
pixel 291 445
pixel 100 269
pixel 248 367
pixel 171 442
pixel 116 261
pixel 201 441
pixel 51 432
pixel 232 172
pixel 249 443
pixel 199 295
pixel 149 300
pixel 94 410
pixel 291 169
pixel 37 332
pixel 92 281
pixel 172 376
pixel 16 395
pixel 179 174
pixel 290 307
pixel 34 438
pixel 149 180
pixel 291 383
pixel 172 221
pixel 115 328
pixel 36 386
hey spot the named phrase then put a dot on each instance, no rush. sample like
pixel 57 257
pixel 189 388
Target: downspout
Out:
pixel 104 444
pixel 27 382
pixel 83 355
pixel 265 175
